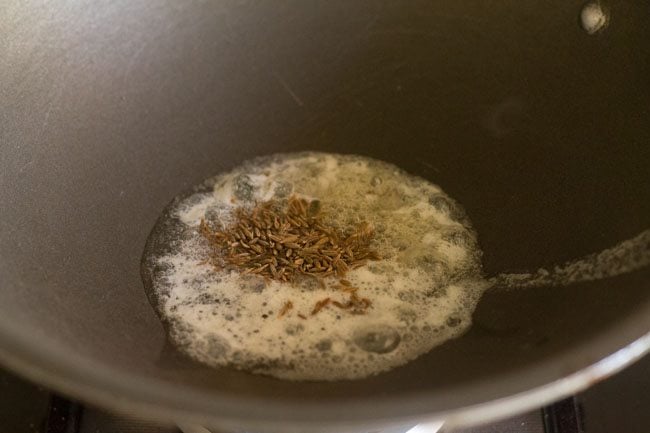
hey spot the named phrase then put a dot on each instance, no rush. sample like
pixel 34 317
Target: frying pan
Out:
pixel 540 128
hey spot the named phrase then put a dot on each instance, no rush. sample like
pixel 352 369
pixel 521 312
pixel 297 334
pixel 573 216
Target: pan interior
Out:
pixel 538 128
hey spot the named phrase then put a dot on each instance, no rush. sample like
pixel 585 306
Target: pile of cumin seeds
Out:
pixel 285 242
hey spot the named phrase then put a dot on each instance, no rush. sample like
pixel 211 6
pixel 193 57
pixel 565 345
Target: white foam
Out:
pixel 422 293
pixel 625 257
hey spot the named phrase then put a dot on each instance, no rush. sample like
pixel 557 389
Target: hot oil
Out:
pixel 423 290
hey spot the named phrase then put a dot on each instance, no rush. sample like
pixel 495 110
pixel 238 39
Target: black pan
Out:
pixel 540 128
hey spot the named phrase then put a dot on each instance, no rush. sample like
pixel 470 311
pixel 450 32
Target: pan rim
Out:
pixel 524 389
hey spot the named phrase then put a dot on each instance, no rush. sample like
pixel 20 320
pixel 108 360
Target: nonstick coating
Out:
pixel 110 109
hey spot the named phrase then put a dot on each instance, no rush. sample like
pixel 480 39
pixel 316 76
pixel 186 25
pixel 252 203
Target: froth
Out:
pixel 423 291
pixel 627 256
